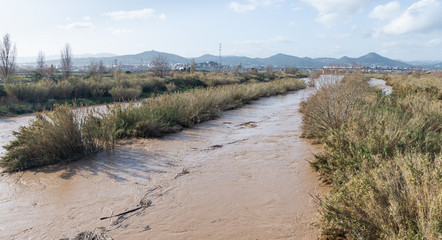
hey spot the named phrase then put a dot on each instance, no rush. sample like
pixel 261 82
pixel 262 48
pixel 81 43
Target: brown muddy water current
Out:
pixel 243 176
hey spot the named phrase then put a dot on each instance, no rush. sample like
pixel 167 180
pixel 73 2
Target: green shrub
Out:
pixel 31 92
pixel 4 110
pixel 187 82
pixel 63 90
pixel 2 90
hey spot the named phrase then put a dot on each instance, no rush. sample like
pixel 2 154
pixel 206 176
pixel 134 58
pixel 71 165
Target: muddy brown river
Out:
pixel 243 176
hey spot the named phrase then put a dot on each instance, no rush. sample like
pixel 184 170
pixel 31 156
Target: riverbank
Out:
pixel 383 157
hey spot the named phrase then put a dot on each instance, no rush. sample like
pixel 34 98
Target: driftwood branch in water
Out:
pixel 145 205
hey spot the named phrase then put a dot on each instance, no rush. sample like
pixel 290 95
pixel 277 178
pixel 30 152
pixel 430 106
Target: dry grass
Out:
pixel 383 159
pixel 52 137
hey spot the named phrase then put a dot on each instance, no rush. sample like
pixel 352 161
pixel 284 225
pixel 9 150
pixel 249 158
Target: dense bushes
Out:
pixel 383 159
pixel 46 140
pixel 122 94
pixel 2 91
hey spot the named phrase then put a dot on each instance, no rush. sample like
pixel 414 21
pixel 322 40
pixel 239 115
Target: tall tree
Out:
pixel 41 62
pixel 50 72
pixel 93 69
pixel 160 65
pixel 101 69
pixel 41 65
pixel 192 66
pixel 66 61
pixel 7 57
pixel 269 69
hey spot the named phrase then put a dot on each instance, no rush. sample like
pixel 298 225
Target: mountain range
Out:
pixel 279 60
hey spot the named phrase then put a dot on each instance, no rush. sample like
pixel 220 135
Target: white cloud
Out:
pixel 251 5
pixel 329 20
pixel 162 16
pixel 434 43
pixel 117 31
pixel 295 7
pixel 338 6
pixel 333 12
pixel 387 11
pixel 390 44
pixel 85 24
pixel 135 14
pixel 78 25
pixel 237 7
pixel 422 16
pixel 333 36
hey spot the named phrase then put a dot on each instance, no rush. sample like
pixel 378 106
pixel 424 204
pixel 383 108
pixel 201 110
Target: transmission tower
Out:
pixel 219 59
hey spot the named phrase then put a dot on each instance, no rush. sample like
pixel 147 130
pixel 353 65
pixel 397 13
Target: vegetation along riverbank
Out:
pixel 63 135
pixel 383 157
pixel 26 95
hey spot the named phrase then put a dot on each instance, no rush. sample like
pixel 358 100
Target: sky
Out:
pixel 408 30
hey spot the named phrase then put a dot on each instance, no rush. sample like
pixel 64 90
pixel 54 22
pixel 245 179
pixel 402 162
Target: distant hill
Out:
pixel 427 64
pixel 278 60
pixel 373 59
pixel 56 58
pixel 131 59
pixel 283 60
pixel 437 66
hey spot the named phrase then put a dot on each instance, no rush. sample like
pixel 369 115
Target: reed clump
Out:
pixel 65 135
pixel 51 137
pixel 382 158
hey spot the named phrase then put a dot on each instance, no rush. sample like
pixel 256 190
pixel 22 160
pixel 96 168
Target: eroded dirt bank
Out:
pixel 246 176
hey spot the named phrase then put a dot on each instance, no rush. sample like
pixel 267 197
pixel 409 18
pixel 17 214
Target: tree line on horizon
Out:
pixel 8 55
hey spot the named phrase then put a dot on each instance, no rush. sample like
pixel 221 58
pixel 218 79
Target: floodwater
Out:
pixel 7 126
pixel 382 84
pixel 243 176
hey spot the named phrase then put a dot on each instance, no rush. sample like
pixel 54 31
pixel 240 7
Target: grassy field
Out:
pixel 383 157
pixel 61 136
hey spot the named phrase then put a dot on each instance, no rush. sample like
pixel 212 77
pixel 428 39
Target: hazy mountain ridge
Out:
pixel 278 60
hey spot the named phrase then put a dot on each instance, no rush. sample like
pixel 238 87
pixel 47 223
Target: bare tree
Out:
pixel 93 69
pixel 236 69
pixel 101 69
pixel 7 57
pixel 160 65
pixel 50 72
pixel 41 64
pixel 192 66
pixel 66 61
pixel 269 69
